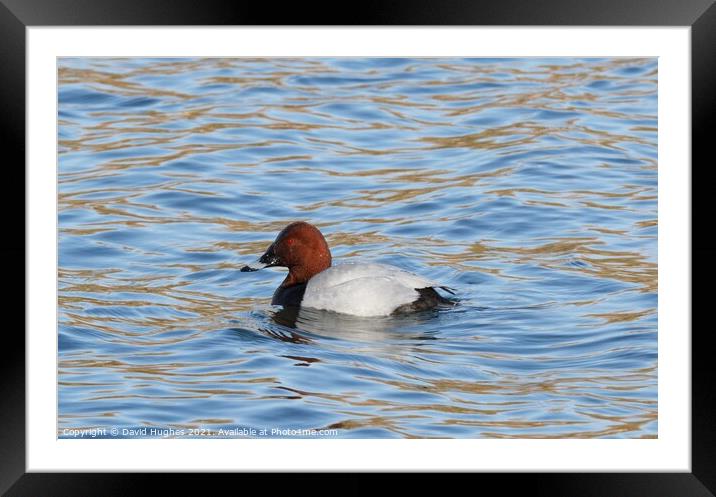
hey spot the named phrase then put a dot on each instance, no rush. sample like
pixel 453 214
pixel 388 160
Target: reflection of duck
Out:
pixel 358 289
pixel 304 324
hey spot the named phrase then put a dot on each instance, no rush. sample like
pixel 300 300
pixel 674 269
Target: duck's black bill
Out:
pixel 270 258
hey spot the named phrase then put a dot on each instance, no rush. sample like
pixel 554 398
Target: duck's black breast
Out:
pixel 289 296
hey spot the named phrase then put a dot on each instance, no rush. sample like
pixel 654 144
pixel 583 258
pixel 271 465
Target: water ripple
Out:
pixel 529 185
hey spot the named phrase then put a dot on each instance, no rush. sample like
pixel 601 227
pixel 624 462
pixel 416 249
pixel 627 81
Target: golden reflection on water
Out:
pixel 164 308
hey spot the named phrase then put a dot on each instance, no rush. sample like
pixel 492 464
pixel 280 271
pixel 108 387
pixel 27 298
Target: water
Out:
pixel 529 185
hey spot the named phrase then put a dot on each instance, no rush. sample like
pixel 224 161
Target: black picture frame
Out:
pixel 16 15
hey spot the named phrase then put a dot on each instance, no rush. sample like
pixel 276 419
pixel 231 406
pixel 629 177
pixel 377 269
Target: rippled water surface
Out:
pixel 528 185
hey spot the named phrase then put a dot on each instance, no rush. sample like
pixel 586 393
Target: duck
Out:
pixel 359 289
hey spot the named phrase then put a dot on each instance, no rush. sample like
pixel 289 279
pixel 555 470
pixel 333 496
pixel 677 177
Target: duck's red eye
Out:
pixel 290 241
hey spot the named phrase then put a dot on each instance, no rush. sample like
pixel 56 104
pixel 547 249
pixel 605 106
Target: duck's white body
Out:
pixel 363 289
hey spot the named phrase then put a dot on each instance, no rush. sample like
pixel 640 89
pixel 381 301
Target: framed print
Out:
pixel 428 241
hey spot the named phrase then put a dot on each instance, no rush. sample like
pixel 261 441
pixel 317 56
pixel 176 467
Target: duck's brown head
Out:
pixel 301 248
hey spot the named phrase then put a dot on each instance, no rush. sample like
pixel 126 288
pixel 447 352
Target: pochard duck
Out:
pixel 366 289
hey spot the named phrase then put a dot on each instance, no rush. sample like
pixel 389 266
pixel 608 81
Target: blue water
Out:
pixel 528 185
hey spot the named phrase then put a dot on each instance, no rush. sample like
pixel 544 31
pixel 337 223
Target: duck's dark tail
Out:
pixel 428 299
